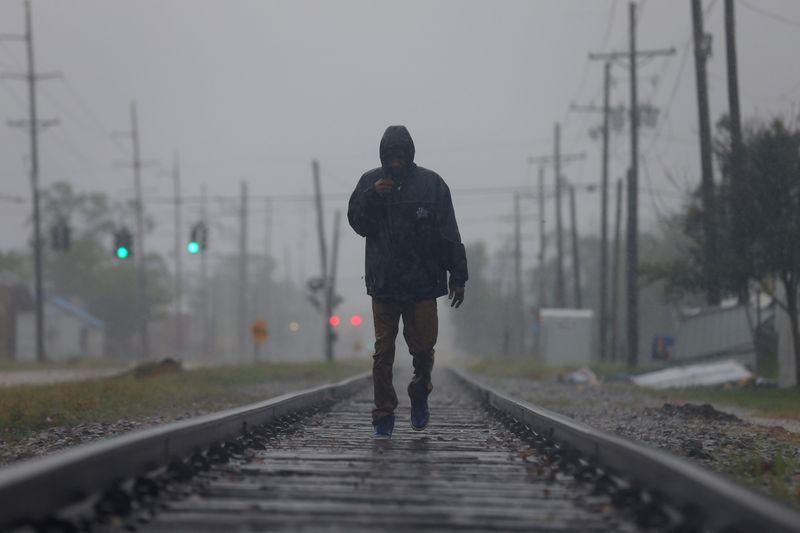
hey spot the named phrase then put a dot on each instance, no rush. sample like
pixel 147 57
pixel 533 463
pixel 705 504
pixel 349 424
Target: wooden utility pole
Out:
pixel 606 140
pixel 615 276
pixel 542 297
pixel 327 306
pixel 560 289
pixel 330 293
pixel 517 311
pixel 576 260
pixel 176 179
pixel 34 125
pixel 631 272
pixel 558 159
pixel 242 322
pixel 632 258
pixel 701 53
pixel 204 312
pixel 603 316
pixel 142 306
pixel 739 184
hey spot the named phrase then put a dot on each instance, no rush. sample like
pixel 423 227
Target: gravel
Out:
pixel 59 438
pixel 717 440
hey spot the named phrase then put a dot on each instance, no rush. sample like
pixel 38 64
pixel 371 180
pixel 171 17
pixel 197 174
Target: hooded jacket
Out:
pixel 412 237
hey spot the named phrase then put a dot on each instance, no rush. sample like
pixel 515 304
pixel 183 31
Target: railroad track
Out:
pixel 305 461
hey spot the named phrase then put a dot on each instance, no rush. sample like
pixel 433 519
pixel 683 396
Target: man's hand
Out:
pixel 457 296
pixel 384 185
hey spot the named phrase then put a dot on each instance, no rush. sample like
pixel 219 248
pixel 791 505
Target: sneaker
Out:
pixel 383 428
pixel 420 414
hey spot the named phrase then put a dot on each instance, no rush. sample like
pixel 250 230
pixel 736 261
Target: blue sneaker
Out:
pixel 420 414
pixel 383 428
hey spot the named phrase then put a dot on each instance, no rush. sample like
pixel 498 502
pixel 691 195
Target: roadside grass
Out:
pixel 778 474
pixel 27 409
pixel 78 363
pixel 766 401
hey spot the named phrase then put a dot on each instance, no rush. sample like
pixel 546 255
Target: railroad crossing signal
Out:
pixel 259 331
pixel 60 236
pixel 198 239
pixel 123 243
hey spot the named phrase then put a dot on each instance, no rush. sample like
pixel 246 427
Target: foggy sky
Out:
pixel 255 89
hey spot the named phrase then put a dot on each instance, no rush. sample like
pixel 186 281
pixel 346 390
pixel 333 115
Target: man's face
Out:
pixel 395 165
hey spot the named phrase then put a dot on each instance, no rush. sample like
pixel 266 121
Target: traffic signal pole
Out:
pixel 142 310
pixel 176 177
pixel 330 293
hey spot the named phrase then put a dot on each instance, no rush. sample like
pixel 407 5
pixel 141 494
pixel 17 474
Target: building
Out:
pixel 70 332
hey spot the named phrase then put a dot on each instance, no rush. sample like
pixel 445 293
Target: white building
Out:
pixel 566 336
pixel 70 332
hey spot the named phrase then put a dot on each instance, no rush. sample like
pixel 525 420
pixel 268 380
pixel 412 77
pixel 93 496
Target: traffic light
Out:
pixel 123 243
pixel 198 239
pixel 355 320
pixel 334 320
pixel 60 236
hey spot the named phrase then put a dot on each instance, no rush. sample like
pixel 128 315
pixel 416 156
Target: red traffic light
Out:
pixel 355 320
pixel 334 320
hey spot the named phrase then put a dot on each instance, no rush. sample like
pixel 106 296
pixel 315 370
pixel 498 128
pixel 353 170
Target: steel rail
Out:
pixel 718 503
pixel 36 489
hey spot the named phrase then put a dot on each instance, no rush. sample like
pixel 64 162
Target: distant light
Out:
pixel 122 252
pixel 294 327
pixel 355 320
pixel 334 320
pixel 193 247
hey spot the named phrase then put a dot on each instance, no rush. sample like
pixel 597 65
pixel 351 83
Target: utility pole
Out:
pixel 632 57
pixel 142 307
pixel 204 314
pixel 615 276
pixel 34 125
pixel 606 139
pixel 323 254
pixel 176 178
pixel 242 321
pixel 560 291
pixel 542 297
pixel 603 319
pixel 576 261
pixel 330 293
pixel 632 270
pixel 519 334
pixel 739 183
pixel 558 160
pixel 701 53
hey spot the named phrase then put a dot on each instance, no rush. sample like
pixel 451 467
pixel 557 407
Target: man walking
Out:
pixel 412 241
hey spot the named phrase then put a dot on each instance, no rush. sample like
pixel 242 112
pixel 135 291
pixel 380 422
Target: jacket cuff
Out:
pixel 457 283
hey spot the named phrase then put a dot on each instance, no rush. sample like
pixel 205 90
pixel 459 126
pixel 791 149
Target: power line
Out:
pixel 770 14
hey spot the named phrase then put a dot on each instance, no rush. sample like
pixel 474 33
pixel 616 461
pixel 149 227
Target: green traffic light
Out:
pixel 193 247
pixel 122 252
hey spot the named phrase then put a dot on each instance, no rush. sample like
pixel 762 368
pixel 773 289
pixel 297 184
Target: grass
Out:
pixel 766 401
pixel 78 363
pixel 27 409
pixel 778 474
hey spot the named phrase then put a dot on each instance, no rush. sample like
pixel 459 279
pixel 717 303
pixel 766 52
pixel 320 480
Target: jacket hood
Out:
pixel 397 139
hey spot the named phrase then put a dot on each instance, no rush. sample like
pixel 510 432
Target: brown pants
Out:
pixel 420 329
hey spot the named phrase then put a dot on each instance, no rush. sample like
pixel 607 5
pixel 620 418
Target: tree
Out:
pixel 759 222
pixel 479 327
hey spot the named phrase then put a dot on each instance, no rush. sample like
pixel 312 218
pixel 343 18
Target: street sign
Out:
pixel 259 331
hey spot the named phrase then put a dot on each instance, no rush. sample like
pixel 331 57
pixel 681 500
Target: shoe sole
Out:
pixel 415 428
pixel 381 437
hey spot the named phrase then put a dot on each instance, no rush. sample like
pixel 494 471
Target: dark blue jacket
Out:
pixel 412 237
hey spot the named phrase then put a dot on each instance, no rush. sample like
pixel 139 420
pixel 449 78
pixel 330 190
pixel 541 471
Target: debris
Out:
pixel 705 411
pixel 581 376
pixel 702 374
